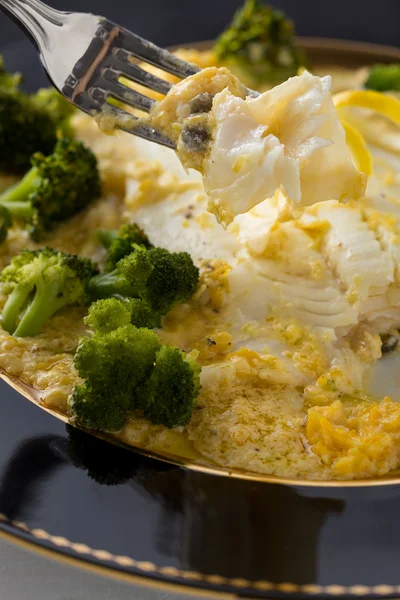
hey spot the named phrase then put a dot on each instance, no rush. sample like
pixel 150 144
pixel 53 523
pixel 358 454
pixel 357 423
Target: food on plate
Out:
pixel 127 368
pixel 384 78
pixel 156 276
pixel 39 283
pixel 259 45
pixel 235 309
pixel 57 187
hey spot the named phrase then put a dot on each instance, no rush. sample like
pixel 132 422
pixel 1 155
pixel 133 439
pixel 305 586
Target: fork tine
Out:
pixel 121 92
pixel 156 56
pixel 139 75
pixel 131 124
pixel 148 133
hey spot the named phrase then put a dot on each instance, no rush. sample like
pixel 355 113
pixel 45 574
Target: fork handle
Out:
pixel 34 17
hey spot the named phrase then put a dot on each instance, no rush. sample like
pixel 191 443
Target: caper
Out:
pixel 195 137
pixel 389 343
pixel 202 103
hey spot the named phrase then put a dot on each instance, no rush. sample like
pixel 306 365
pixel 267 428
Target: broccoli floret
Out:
pixel 56 188
pixel 113 365
pixel 384 78
pixel 173 279
pixel 124 279
pixel 5 223
pixel 259 44
pixel 128 369
pixel 24 130
pixel 38 284
pixel 121 243
pixel 158 277
pixel 141 314
pixel 92 409
pixel 57 107
pixel 109 314
pixel 28 124
pixel 169 394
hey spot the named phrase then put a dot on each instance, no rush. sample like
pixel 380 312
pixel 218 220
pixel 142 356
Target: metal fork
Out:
pixel 85 57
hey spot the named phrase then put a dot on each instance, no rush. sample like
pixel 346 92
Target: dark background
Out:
pixel 177 21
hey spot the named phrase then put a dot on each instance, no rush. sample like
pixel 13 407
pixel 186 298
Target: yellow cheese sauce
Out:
pixel 282 389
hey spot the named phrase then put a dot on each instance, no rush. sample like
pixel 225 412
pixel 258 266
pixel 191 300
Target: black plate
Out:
pixel 83 500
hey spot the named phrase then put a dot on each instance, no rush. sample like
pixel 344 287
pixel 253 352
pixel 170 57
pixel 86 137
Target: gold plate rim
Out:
pixel 351 46
pixel 334 45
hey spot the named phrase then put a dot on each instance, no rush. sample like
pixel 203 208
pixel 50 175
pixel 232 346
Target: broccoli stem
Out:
pixel 19 210
pixel 46 302
pixel 106 237
pixel 21 191
pixel 16 198
pixel 107 285
pixel 13 306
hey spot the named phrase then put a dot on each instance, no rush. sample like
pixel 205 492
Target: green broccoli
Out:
pixel 128 369
pixel 109 314
pixel 112 365
pixel 60 110
pixel 5 223
pixel 141 314
pixel 24 130
pixel 160 278
pixel 259 45
pixel 384 78
pixel 168 396
pixel 38 284
pixel 28 124
pixel 121 243
pixel 56 188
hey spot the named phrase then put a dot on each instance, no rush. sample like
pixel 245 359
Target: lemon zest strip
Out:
pixel 358 148
pixel 388 106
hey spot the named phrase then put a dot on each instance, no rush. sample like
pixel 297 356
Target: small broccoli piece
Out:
pixel 40 283
pixel 5 223
pixel 125 278
pixel 173 278
pixel 158 277
pixel 121 243
pixel 384 78
pixel 57 107
pixel 56 188
pixel 259 43
pixel 169 394
pixel 107 315
pixel 142 315
pixel 113 365
pixel 92 409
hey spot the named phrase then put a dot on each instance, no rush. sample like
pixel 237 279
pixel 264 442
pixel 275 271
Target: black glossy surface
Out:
pixel 59 481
